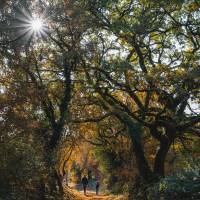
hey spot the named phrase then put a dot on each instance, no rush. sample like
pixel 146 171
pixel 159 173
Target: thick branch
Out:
pixel 95 120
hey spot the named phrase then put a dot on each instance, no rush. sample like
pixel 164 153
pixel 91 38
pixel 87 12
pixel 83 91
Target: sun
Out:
pixel 36 25
pixel 32 26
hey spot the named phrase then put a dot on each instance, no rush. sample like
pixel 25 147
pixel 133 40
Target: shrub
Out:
pixel 21 167
pixel 184 185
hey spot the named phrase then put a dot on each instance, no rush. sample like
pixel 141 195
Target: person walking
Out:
pixel 84 183
pixel 97 187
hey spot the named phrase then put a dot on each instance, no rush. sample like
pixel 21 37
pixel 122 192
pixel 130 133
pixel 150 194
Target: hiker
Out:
pixel 85 183
pixel 97 187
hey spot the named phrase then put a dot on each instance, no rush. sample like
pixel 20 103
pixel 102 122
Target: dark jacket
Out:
pixel 84 181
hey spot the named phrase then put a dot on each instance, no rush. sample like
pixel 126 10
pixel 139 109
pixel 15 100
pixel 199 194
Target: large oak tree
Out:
pixel 143 64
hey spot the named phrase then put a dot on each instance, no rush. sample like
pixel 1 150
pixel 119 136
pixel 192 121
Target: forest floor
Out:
pixel 72 193
pixel 92 196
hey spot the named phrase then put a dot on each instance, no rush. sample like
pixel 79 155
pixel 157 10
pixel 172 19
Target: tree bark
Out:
pixel 57 132
pixel 159 164
pixel 54 182
pixel 144 170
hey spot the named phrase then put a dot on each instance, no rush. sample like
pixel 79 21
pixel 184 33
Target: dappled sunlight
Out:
pixel 99 100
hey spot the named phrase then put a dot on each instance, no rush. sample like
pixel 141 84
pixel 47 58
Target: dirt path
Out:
pixel 92 196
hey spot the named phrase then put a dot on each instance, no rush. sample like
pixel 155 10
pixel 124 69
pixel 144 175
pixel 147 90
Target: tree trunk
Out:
pixel 142 163
pixel 56 135
pixel 53 182
pixel 59 183
pixel 159 164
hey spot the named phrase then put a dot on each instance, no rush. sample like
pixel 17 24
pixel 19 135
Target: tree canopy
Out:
pixel 119 79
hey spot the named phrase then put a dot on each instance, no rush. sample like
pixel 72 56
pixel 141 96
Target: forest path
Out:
pixel 92 196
